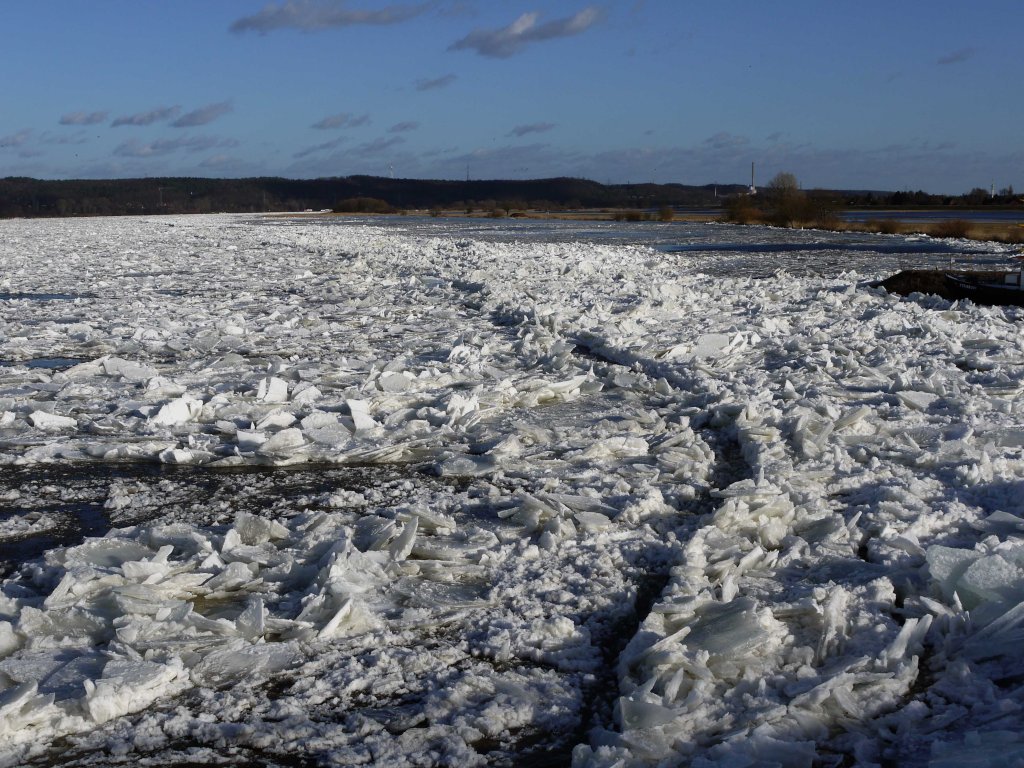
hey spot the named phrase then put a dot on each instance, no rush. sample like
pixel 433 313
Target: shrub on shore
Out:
pixel 742 209
pixel 363 205
pixel 883 226
pixel 950 228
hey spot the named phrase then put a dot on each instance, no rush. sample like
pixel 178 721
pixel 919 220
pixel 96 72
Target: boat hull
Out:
pixel 984 292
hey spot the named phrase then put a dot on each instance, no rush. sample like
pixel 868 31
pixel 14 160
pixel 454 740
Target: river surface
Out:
pixel 723 249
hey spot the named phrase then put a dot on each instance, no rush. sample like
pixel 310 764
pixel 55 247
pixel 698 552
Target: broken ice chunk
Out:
pixel 373 532
pixel 306 393
pixel 591 522
pixel 464 465
pixel 128 686
pixel 272 390
pixel 137 373
pixel 23 707
pixel 402 546
pixel 635 713
pixel 253 529
pixel 276 419
pixel 235 576
pixel 918 401
pixel 395 382
pixel 361 419
pixel 250 439
pixel 283 443
pixel 708 345
pixel 179 411
pixel 106 552
pixel 988 579
pixel 461 409
pixel 617 447
pixel 51 422
pixel 727 629
pixel 319 420
pixel 349 619
pixel 177 456
pixel 240 660
pixel 947 565
pixel 251 623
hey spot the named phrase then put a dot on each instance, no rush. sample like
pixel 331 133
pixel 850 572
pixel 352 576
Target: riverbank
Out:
pixel 1001 232
pixel 984 231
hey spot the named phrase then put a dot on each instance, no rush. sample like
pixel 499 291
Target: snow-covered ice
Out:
pixel 438 494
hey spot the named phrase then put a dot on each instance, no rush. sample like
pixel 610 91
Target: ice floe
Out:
pixel 643 509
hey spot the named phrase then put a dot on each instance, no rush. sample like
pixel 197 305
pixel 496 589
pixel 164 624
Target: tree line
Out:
pixel 27 197
pixel 783 202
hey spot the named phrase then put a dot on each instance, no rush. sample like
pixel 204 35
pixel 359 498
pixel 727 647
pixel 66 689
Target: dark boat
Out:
pixel 998 288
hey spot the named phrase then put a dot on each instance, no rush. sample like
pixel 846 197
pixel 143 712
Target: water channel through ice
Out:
pixel 413 492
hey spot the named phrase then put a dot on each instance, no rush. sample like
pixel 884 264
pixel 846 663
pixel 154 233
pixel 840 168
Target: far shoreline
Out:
pixel 1008 232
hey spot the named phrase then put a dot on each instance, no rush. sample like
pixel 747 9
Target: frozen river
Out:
pixel 427 492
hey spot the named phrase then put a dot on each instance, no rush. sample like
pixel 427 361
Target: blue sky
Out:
pixel 916 94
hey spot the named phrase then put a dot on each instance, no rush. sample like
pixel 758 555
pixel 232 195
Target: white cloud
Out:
pixel 378 146
pixel 523 130
pixel 957 57
pixel 341 120
pixel 434 83
pixel 334 143
pixel 147 118
pixel 15 139
pixel 135 148
pixel 510 40
pixel 83 118
pixel 404 127
pixel 203 115
pixel 309 16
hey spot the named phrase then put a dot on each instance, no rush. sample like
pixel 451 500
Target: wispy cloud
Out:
pixel 510 40
pixel 63 139
pixel 430 84
pixel 725 141
pixel 320 147
pixel 15 139
pixel 83 118
pixel 957 57
pixel 377 146
pixel 341 120
pixel 404 127
pixel 160 147
pixel 309 16
pixel 203 115
pixel 156 115
pixel 523 130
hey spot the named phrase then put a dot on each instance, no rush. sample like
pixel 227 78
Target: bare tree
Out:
pixel 786 201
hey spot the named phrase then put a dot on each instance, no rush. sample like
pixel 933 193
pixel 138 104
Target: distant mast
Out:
pixel 753 189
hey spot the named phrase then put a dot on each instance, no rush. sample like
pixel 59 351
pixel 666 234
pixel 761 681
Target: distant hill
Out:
pixel 87 197
pixel 114 197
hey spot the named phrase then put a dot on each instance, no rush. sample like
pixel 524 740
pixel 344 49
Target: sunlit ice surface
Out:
pixel 427 492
